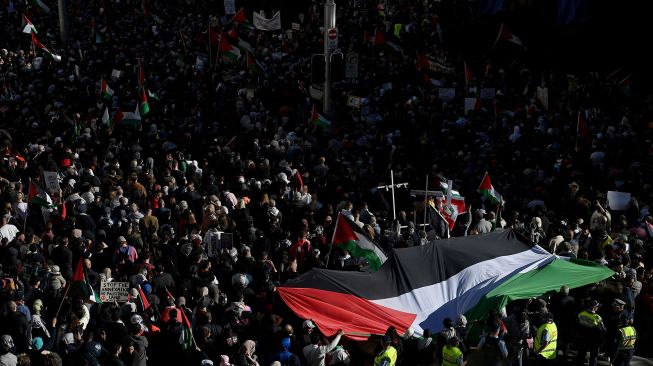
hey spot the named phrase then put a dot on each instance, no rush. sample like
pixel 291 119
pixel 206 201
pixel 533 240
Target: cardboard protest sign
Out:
pixel 114 291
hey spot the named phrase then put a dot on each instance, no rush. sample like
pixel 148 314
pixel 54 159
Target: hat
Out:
pixel 618 302
pixel 55 270
pixel 7 340
pixel 595 304
pixel 224 360
pixel 121 239
pixel 308 324
pixel 37 305
pixel 283 177
pixel 537 221
pixel 183 205
pixel 207 362
pixel 37 343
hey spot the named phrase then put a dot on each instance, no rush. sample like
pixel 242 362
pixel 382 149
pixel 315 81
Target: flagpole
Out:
pixel 426 201
pixel 392 185
pixel 498 36
pixel 209 34
pixel 333 236
pixel 62 300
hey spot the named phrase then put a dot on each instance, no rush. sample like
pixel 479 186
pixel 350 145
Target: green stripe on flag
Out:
pixel 356 251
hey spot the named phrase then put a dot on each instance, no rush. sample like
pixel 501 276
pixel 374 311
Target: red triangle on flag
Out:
pixel 144 301
pixel 78 275
pixel 343 232
pixel 379 38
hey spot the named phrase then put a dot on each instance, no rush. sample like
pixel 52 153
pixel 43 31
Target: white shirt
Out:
pixel 8 231
pixel 314 354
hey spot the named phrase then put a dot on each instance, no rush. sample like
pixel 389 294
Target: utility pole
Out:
pixel 329 23
pixel 63 27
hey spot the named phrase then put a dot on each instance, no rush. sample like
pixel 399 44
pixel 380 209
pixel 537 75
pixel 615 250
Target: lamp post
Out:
pixel 329 23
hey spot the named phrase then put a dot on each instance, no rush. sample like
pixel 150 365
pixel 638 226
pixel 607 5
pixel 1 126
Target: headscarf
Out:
pixel 249 347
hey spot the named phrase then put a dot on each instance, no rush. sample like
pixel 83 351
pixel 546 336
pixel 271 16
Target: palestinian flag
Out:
pixel 105 117
pixel 416 288
pixel 40 46
pixel 451 205
pixel 505 35
pixel 241 19
pixel 153 95
pixel 144 105
pixel 253 66
pixel 348 235
pixel 105 90
pixel 227 49
pixel 43 7
pixel 128 118
pixel 233 35
pixel 468 75
pixel 141 75
pixel 186 336
pixel 487 190
pixel 582 131
pixel 28 27
pixel 626 86
pixel 80 283
pixel 38 196
pixel 319 119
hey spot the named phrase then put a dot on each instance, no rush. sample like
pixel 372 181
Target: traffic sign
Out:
pixel 333 33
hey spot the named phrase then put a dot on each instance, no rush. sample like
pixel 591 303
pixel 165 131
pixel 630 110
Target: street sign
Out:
pixel 351 67
pixel 332 35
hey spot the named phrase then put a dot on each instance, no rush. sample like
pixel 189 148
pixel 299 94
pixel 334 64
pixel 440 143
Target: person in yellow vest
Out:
pixel 388 355
pixel 546 341
pixel 451 354
pixel 591 331
pixel 625 342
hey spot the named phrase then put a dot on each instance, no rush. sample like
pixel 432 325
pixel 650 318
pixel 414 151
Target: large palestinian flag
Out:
pixel 416 288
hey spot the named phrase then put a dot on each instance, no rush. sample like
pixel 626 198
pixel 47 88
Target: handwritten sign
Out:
pixel 114 291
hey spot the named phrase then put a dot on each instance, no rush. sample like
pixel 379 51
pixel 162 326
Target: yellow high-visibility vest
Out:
pixel 589 320
pixel 627 337
pixel 450 355
pixel 550 351
pixel 389 353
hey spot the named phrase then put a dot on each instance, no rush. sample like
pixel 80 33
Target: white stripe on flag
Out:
pixel 364 243
pixel 463 289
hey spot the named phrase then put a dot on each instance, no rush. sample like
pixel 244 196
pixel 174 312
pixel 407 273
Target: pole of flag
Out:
pixel 392 185
pixel 62 300
pixel 498 35
pixel 209 35
pixel 426 201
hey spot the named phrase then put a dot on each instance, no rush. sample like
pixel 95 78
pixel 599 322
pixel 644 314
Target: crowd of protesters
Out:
pixel 226 188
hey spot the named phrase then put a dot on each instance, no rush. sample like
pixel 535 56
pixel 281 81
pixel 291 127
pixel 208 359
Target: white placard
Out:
pixel 354 101
pixel 618 201
pixel 488 93
pixel 114 291
pixel 296 26
pixel 51 182
pixel 470 104
pixel 265 24
pixel 230 6
pixel 447 94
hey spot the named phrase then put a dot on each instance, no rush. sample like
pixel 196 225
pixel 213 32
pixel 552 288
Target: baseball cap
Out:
pixel 308 324
pixel 618 302
pixel 595 303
